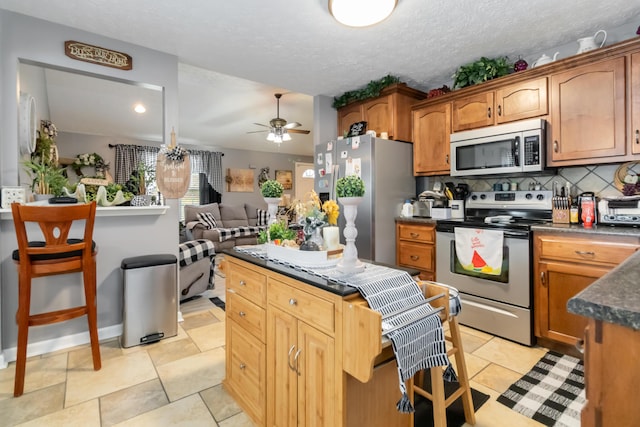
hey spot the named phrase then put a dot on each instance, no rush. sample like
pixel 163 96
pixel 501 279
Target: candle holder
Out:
pixel 350 262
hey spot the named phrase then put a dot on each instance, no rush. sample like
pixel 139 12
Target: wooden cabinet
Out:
pixel 588 115
pixel 611 354
pixel 245 370
pixel 635 103
pixel 565 264
pixel 415 247
pixel 390 112
pixel 431 131
pixel 517 101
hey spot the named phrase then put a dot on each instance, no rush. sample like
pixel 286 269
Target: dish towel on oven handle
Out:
pixel 479 249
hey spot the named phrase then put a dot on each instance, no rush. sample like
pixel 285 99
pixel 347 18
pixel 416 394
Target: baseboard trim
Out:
pixel 56 344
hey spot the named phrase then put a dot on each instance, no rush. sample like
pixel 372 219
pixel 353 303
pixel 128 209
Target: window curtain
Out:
pixel 129 156
pixel 210 163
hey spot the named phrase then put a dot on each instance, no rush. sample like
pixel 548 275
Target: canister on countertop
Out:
pixel 573 216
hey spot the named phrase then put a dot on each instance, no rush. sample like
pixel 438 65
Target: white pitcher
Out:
pixel 589 43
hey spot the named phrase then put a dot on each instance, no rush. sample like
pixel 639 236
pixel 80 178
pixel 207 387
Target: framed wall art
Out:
pixel 285 178
pixel 240 180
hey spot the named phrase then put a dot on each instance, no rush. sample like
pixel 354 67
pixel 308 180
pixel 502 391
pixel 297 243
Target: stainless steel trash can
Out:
pixel 150 300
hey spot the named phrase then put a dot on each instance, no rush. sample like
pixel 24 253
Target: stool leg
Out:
pixel 22 319
pixel 463 377
pixel 89 279
pixel 437 392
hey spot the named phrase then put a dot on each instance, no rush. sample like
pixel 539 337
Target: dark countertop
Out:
pixel 602 229
pixel 613 298
pixel 308 278
pixel 416 219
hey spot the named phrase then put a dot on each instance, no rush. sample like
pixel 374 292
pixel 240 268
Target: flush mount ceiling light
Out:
pixel 139 108
pixel 361 13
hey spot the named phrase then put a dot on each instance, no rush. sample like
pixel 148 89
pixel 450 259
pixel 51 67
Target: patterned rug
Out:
pixel 552 393
pixel 454 413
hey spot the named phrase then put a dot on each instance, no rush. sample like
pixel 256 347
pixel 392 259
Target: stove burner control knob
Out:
pixel 483 196
pixel 474 197
pixel 529 196
pixel 539 197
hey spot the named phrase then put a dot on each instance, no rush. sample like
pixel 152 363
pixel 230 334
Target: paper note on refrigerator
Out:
pixel 328 162
pixel 353 167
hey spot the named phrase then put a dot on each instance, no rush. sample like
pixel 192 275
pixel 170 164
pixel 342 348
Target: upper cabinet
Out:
pixel 431 130
pixel 635 103
pixel 390 112
pixel 517 101
pixel 588 114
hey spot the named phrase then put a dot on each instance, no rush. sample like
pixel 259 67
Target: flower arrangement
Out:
pixel 271 188
pixel 46 152
pixel 86 159
pixel 332 211
pixel 350 186
pixel 48 130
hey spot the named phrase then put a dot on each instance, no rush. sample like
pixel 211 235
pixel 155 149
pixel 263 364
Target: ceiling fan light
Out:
pixel 271 136
pixel 361 13
pixel 286 136
pixel 277 139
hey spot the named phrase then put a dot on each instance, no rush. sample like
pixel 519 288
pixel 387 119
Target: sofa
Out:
pixel 234 224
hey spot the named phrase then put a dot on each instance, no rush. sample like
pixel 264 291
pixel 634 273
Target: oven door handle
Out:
pixel 489 308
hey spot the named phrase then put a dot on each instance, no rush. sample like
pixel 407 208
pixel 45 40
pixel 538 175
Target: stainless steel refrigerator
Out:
pixel 386 167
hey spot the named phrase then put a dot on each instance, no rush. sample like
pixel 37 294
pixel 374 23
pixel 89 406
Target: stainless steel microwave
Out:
pixel 502 149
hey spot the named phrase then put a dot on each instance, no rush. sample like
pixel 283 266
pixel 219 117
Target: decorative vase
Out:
pixel 316 237
pixel 331 236
pixel 350 262
pixel 272 208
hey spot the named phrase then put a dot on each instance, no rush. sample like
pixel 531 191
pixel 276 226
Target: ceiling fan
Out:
pixel 278 128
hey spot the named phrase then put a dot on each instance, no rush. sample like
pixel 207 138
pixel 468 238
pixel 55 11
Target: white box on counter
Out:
pixel 441 213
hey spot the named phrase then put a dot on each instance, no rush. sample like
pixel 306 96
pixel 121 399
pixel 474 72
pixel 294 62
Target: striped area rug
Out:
pixel 552 393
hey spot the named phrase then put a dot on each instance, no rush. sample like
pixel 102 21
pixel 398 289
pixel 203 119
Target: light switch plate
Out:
pixel 13 194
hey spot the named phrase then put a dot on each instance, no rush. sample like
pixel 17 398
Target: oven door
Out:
pixel 512 287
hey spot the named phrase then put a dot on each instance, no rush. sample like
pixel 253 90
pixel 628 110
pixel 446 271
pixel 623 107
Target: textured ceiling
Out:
pixel 296 46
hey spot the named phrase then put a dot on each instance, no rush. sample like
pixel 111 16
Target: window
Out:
pixel 191 197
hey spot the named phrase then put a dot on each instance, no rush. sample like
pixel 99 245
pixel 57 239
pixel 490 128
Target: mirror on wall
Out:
pixel 92 111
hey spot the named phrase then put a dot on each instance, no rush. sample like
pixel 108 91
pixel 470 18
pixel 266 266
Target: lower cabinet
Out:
pixel 611 354
pixel 564 264
pixel 416 248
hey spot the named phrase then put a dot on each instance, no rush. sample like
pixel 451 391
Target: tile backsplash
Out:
pixel 597 178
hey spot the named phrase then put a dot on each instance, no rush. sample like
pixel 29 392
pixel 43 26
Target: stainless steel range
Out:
pixel 498 304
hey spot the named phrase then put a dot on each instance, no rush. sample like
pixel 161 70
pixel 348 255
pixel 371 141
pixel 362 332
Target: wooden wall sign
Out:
pixel 97 55
pixel 173 176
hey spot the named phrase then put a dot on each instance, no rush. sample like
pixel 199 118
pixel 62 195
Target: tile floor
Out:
pixel 177 381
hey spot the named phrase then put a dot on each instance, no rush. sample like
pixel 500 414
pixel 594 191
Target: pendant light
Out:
pixel 361 13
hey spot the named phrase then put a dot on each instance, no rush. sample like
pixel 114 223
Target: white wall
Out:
pixel 26 38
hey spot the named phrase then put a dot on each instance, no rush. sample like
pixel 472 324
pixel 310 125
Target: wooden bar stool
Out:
pixel 57 254
pixel 437 395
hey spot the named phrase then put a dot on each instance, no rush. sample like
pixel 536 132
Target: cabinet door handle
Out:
pixel 293 301
pixel 242 366
pixel 499 110
pixel 295 358
pixel 585 253
pixel 243 283
pixel 415 235
pixel 555 146
pixel 489 112
pixel 447 159
pixel 242 314
pixel 543 280
pixel 293 368
pixel 637 136
pixel 415 257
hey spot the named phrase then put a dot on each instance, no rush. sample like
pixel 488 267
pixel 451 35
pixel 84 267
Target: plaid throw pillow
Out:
pixel 207 219
pixel 263 217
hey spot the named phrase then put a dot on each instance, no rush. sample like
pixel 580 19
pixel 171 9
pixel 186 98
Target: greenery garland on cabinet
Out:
pixel 372 90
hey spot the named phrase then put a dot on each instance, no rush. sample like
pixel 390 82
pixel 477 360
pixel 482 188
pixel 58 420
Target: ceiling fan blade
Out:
pixel 306 132
pixel 292 125
pixel 258 131
pixel 260 124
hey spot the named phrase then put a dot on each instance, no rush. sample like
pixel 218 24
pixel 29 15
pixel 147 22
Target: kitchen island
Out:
pixel 302 350
pixel 119 232
pixel 611 345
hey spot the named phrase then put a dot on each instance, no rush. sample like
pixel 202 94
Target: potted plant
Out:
pixel 276 231
pixel 350 186
pixel 272 191
pixel 46 179
pixel 481 70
